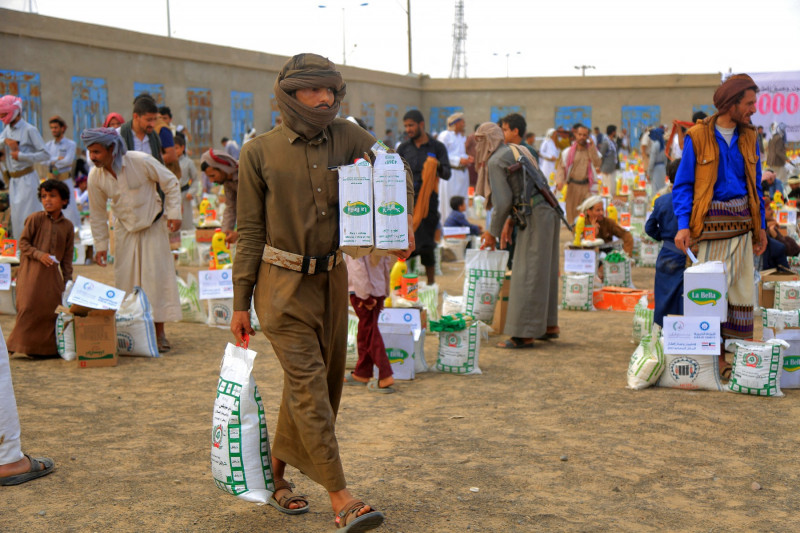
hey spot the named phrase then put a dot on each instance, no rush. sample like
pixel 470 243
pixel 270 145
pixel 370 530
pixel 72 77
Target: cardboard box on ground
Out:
pixel 94 306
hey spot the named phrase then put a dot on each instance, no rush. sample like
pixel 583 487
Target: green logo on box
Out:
pixel 704 296
pixel 356 209
pixel 391 209
pixel 396 355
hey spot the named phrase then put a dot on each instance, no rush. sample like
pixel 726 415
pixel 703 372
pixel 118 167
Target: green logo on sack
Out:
pixel 792 294
pixel 356 209
pixel 453 341
pixel 577 288
pixel 751 359
pixel 396 355
pixel 391 209
pixel 704 296
pixel 486 298
pixel 791 364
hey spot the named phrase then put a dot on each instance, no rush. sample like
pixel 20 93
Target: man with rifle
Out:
pixel 517 200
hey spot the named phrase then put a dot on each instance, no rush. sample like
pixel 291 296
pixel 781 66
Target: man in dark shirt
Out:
pixel 415 151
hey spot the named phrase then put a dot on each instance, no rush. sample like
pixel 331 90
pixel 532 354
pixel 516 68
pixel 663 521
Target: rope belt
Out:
pixel 304 264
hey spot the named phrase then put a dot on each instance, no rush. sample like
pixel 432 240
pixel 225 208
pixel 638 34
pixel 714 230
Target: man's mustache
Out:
pixel 323 106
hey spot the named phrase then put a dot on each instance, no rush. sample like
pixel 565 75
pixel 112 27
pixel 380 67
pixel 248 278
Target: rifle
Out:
pixel 532 181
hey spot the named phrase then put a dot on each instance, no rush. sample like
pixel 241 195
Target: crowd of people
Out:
pixel 281 211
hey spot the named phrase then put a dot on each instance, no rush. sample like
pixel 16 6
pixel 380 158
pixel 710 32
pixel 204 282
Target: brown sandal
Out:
pixel 347 520
pixel 283 504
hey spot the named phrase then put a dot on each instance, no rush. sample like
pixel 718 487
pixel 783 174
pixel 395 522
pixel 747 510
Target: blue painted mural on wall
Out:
pixel 437 122
pixel 636 119
pixel 28 87
pixel 156 90
pixel 241 114
pixel 499 111
pixel 391 121
pixel 567 116
pixel 368 114
pixel 199 108
pixel 707 109
pixel 89 105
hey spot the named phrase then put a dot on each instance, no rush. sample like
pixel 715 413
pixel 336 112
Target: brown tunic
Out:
pixel 290 200
pixel 607 229
pixel 39 288
pixel 578 188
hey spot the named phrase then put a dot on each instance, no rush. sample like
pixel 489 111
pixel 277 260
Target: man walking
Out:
pixel 62 160
pixel 288 253
pixel 142 255
pixel 717 197
pixel 576 167
pixel 610 160
pixel 458 185
pixel 23 147
pixel 416 151
pixel 535 276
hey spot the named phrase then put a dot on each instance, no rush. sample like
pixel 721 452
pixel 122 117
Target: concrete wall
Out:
pixel 59 49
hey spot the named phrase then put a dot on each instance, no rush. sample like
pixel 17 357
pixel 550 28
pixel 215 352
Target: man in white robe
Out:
pixel 142 221
pixel 458 184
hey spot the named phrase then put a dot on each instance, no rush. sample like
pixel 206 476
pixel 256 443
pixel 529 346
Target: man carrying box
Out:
pixel 288 256
pixel 717 197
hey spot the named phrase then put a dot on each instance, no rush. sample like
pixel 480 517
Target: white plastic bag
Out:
pixel 647 363
pixel 787 295
pixel 451 304
pixel 642 319
pixel 617 270
pixel 191 306
pixel 577 292
pixel 757 367
pixel 485 271
pixel 136 331
pixel 459 351
pixel 240 456
pixel 65 329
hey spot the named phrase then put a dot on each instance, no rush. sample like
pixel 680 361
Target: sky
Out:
pixel 532 38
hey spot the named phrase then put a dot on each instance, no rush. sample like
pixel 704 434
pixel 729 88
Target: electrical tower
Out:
pixel 459 66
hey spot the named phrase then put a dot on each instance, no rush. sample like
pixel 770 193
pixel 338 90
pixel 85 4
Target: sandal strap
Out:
pixel 282 484
pixel 286 500
pixel 352 507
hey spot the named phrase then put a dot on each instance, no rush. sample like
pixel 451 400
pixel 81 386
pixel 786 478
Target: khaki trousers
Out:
pixel 305 319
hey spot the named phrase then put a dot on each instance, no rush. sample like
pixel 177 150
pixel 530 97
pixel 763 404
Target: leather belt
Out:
pixel 576 182
pixel 305 264
pixel 459 168
pixel 20 173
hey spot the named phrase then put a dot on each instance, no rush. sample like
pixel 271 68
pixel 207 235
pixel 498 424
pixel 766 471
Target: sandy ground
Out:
pixel 551 438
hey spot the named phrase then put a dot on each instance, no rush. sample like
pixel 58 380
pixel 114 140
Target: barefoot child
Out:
pixel 368 280
pixel 45 267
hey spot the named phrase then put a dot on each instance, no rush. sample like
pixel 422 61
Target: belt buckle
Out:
pixel 320 263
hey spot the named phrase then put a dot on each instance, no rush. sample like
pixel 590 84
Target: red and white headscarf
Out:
pixel 221 161
pixel 10 108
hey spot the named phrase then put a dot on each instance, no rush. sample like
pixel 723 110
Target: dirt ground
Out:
pixel 550 437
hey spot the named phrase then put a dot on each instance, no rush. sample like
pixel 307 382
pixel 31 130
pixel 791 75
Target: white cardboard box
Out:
pixel 355 203
pixel 410 326
pixel 391 211
pixel 705 290
pixel 691 335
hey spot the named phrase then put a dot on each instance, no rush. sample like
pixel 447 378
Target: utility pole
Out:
pixel 583 68
pixel 458 68
pixel 169 23
pixel 408 14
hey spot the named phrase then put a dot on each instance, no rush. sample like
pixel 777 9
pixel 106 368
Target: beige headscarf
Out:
pixel 489 138
pixel 308 71
pixel 452 119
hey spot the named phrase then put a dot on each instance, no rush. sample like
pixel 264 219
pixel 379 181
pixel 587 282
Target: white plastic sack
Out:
pixel 220 312
pixel 65 329
pixel 240 456
pixel 648 252
pixel 577 292
pixel 691 372
pixel 647 363
pixel 459 351
pixel 642 319
pixel 757 367
pixel 485 271
pixel 352 338
pixel 787 295
pixel 452 304
pixel 136 331
pixel 192 309
pixel 617 270
pixel 779 320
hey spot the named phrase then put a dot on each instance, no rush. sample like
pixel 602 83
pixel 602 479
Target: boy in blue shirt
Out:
pixel 458 219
